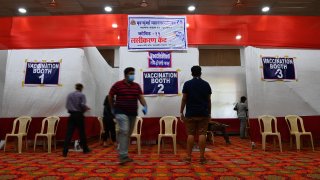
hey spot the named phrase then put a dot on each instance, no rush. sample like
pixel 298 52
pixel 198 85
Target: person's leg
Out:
pixel 82 133
pixel 123 122
pixel 106 133
pixel 190 126
pixel 111 129
pixel 69 133
pixel 202 131
pixel 243 124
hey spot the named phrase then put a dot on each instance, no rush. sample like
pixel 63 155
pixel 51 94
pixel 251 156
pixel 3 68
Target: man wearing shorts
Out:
pixel 197 99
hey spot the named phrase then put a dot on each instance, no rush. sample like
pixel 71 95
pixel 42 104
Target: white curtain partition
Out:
pixel 300 97
pixel 228 83
pixel 3 65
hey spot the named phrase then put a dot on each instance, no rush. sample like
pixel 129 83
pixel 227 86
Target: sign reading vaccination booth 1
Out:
pixel 278 68
pixel 42 73
pixel 160 82
pixel 157 33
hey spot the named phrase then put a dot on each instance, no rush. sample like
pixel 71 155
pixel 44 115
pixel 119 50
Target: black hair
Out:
pixel 196 71
pixel 79 86
pixel 127 70
pixel 243 99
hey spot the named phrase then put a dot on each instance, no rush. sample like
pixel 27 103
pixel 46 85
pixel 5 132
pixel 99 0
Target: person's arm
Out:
pixel 110 101
pixel 209 105
pixel 183 104
pixel 83 103
pixel 142 100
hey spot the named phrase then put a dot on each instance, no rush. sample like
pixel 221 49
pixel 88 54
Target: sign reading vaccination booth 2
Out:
pixel 42 73
pixel 278 68
pixel 160 82
pixel 157 33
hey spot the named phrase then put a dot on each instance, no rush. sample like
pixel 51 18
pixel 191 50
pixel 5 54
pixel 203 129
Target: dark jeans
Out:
pixel 109 129
pixel 76 120
pixel 221 128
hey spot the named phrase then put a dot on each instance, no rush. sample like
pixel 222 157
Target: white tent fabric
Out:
pixel 3 65
pixel 46 101
pixel 300 97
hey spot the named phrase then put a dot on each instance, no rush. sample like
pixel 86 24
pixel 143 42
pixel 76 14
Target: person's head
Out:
pixel 129 74
pixel 196 71
pixel 79 86
pixel 243 99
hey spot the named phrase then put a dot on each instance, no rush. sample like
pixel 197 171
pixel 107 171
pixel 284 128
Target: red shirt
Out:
pixel 127 95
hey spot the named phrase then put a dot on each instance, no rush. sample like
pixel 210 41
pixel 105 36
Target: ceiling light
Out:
pixel 144 3
pixel 238 37
pixel 265 9
pixel 108 9
pixel 22 10
pixel 188 25
pixel 118 37
pixel 114 25
pixel 191 8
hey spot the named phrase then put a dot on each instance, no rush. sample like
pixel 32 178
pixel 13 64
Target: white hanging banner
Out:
pixel 157 33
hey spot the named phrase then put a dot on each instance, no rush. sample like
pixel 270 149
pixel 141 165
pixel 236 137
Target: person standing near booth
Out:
pixel 76 106
pixel 126 94
pixel 197 99
pixel 242 113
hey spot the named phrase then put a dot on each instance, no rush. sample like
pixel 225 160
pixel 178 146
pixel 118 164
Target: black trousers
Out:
pixel 109 127
pixel 76 120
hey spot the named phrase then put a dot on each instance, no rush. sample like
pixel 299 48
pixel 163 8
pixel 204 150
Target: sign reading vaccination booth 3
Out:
pixel 42 73
pixel 278 68
pixel 157 33
pixel 160 82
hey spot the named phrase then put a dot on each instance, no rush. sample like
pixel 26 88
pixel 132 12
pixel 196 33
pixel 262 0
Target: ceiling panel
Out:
pixel 225 7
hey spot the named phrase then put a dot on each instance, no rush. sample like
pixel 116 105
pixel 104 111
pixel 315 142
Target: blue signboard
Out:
pixel 160 82
pixel 159 59
pixel 42 73
pixel 278 68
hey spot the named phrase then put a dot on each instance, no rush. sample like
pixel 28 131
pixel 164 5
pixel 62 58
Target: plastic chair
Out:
pixel 267 129
pixel 52 126
pixel 100 119
pixel 136 133
pixel 292 122
pixel 24 124
pixel 168 131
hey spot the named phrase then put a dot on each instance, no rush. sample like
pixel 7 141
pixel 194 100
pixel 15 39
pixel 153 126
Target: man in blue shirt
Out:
pixel 76 106
pixel 197 99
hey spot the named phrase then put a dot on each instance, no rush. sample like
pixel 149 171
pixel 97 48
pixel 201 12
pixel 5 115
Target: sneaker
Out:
pixel 125 160
pixel 203 160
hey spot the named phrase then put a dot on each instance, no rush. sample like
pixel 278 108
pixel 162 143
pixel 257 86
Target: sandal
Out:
pixel 203 160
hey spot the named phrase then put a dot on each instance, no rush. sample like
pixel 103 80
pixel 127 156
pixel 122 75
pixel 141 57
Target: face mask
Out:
pixel 131 78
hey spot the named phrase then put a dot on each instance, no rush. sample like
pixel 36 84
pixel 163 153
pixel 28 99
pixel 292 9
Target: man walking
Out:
pixel 76 106
pixel 197 99
pixel 126 94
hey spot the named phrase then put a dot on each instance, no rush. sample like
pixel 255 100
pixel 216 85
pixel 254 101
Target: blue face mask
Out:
pixel 131 78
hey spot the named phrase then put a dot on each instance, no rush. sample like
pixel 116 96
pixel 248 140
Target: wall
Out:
pixel 227 83
pixel 300 97
pixel 159 106
pixel 104 76
pixel 45 101
pixel 3 65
